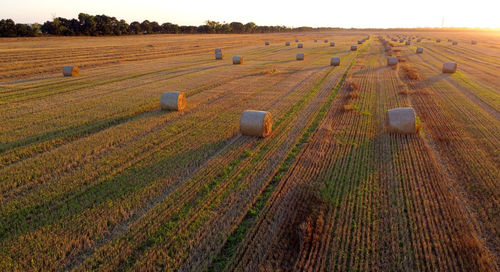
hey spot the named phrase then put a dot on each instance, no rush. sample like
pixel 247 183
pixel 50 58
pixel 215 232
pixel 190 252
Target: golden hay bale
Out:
pixel 408 42
pixel 360 42
pixel 332 43
pixel 287 43
pixel 256 123
pixel 354 47
pixel 388 48
pixel 419 40
pixel 454 43
pixel 219 56
pixel 335 61
pixel 238 60
pixel 173 101
pixel 449 67
pixel 300 45
pixel 473 42
pixel 268 42
pixel 401 120
pixel 438 40
pixel 325 40
pixel 296 40
pixel 315 40
pixel 218 50
pixel 391 61
pixel 300 56
pixel 420 50
pixel 71 71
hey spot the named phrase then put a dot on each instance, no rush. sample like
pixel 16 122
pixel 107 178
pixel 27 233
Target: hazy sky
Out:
pixel 339 13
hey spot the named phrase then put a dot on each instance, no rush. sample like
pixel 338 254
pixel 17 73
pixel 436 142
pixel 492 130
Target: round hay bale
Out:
pixel 388 48
pixel 354 47
pixel 268 42
pixel 71 71
pixel 300 45
pixel 296 40
pixel 408 42
pixel 391 61
pixel 287 43
pixel 449 67
pixel 326 41
pixel 473 42
pixel 419 40
pixel 438 40
pixel 315 40
pixel 360 42
pixel 401 120
pixel 334 61
pixel 218 50
pixel 237 60
pixel 175 101
pixel 420 50
pixel 219 56
pixel 454 43
pixel 256 123
pixel 300 56
pixel 332 44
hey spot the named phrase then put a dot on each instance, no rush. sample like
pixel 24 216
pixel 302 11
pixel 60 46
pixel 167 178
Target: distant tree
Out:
pixel 123 27
pixel 146 27
pixel 226 28
pixel 88 26
pixel 170 28
pixel 237 27
pixel 8 28
pixel 250 27
pixel 135 28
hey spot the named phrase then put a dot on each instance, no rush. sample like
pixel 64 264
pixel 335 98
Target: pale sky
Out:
pixel 339 13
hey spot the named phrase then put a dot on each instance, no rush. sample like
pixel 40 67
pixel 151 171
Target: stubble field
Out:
pixel 94 176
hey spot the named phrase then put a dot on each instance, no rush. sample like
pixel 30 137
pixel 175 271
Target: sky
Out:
pixel 332 13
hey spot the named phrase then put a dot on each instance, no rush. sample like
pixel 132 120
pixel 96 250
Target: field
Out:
pixel 94 176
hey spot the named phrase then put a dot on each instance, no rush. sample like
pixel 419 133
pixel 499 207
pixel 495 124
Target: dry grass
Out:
pixel 352 86
pixel 410 72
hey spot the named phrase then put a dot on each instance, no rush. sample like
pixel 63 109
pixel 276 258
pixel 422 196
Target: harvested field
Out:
pixel 95 176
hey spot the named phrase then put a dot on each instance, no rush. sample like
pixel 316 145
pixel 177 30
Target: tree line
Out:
pixel 102 25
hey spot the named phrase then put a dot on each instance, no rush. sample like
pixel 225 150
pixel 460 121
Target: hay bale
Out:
pixel 287 43
pixel 219 56
pixel 218 50
pixel 237 60
pixel 454 43
pixel 401 120
pixel 438 40
pixel 473 42
pixel 296 40
pixel 173 101
pixel 391 61
pixel 360 42
pixel 256 123
pixel 326 41
pixel 419 40
pixel 268 42
pixel 408 42
pixel 315 40
pixel 420 50
pixel 354 47
pixel 388 48
pixel 334 61
pixel 449 67
pixel 300 56
pixel 300 45
pixel 332 44
pixel 71 71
